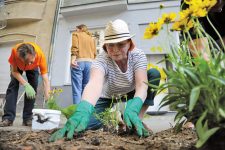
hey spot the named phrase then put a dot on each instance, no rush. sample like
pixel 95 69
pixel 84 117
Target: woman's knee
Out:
pixel 153 74
pixel 94 124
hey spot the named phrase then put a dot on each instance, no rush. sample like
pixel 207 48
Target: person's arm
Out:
pixel 78 122
pixel 46 85
pixel 134 106
pixel 93 89
pixel 17 75
pixel 30 92
pixel 200 48
pixel 140 84
pixel 74 50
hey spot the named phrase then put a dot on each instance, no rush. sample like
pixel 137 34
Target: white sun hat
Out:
pixel 117 31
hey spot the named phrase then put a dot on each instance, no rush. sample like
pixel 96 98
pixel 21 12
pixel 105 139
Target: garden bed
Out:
pixel 27 140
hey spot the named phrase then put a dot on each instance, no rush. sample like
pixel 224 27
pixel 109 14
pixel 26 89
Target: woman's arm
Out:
pixel 93 89
pixel 46 85
pixel 140 84
pixel 74 50
pixel 200 47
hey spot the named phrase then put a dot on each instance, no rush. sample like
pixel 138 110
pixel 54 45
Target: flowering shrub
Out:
pixel 197 79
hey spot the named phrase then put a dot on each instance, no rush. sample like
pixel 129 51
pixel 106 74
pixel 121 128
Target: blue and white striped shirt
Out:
pixel 118 82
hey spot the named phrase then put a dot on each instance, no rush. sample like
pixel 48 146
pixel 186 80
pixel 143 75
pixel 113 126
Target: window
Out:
pixel 98 34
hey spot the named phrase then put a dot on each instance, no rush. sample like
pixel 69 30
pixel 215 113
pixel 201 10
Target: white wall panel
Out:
pixel 5 51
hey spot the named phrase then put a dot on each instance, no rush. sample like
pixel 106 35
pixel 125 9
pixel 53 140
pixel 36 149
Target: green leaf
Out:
pixel 152 85
pixel 166 103
pixel 206 136
pixel 205 127
pixel 160 61
pixel 202 65
pixel 222 112
pixel 170 97
pixel 220 80
pixel 178 126
pixel 192 75
pixel 179 116
pixel 69 111
pixel 199 126
pixel 51 104
pixel 195 92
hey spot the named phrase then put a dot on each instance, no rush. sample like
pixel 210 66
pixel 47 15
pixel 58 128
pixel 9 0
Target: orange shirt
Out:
pixel 40 60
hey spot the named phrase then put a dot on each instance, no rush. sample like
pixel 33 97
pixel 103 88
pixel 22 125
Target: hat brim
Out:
pixel 118 39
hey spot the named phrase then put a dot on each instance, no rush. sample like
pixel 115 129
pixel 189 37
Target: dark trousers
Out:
pixel 12 94
pixel 104 103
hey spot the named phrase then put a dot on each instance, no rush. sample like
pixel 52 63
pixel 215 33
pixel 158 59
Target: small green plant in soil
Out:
pixel 52 103
pixel 111 118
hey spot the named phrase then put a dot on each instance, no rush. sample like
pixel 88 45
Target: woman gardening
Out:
pixel 119 70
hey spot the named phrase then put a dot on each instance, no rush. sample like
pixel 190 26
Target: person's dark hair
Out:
pixel 25 49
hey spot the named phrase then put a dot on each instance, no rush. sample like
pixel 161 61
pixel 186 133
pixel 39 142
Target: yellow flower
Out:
pixel 200 8
pixel 186 14
pixel 152 30
pixel 189 2
pixel 211 3
pixel 198 11
pixel 208 4
pixel 147 34
pixel 155 26
pixel 182 25
pixel 204 4
pixel 189 25
pixel 167 18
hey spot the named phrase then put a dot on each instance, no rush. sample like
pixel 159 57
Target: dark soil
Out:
pixel 91 140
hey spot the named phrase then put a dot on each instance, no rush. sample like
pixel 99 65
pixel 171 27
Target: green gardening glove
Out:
pixel 30 92
pixel 76 123
pixel 131 117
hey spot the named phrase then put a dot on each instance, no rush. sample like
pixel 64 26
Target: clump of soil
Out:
pixel 91 140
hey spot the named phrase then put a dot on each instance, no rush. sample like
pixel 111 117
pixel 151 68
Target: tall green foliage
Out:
pixel 197 91
pixel 196 84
